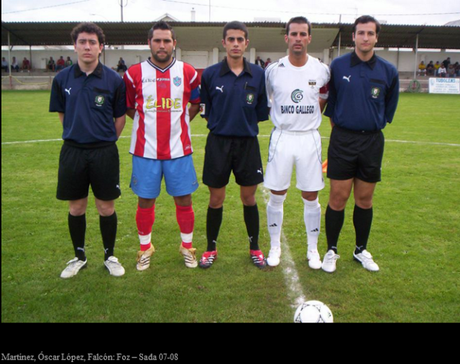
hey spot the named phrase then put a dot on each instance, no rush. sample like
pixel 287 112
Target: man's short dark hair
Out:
pixel 87 27
pixel 367 19
pixel 162 25
pixel 235 25
pixel 298 20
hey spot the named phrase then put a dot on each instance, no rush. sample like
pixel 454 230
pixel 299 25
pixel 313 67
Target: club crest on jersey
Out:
pixel 297 96
pixel 375 92
pixel 99 100
pixel 177 81
pixel 250 98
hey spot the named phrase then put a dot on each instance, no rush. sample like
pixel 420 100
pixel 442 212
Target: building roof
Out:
pixel 264 36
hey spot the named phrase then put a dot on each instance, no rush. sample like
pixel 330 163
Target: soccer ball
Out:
pixel 313 312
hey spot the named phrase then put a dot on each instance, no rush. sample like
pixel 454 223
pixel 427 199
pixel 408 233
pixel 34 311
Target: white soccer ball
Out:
pixel 313 312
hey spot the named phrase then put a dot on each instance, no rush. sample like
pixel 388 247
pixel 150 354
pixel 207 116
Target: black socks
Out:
pixel 251 219
pixel 214 221
pixel 362 221
pixel 77 229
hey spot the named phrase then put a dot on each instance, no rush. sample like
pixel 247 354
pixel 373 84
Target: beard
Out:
pixel 163 58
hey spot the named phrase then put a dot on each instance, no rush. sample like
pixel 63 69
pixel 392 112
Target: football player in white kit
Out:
pixel 297 93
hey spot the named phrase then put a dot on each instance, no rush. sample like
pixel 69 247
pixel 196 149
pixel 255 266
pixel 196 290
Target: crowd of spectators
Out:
pixel 263 64
pixel 59 65
pixel 439 69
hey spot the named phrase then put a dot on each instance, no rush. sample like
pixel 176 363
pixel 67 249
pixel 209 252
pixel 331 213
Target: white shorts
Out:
pixel 299 149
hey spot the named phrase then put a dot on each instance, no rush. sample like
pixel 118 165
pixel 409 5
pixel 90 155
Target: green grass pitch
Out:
pixel 415 237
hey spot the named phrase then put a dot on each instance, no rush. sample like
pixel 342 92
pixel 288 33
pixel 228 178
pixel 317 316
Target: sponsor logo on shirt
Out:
pixel 164 104
pixel 297 109
pixel 297 96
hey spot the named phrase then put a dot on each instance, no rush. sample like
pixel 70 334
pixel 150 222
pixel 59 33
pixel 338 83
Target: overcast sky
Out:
pixel 430 12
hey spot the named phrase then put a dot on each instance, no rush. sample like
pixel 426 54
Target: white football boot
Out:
pixel 114 266
pixel 329 261
pixel 365 258
pixel 314 260
pixel 274 256
pixel 73 267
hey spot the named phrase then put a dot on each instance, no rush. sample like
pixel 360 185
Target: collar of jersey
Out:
pixel 355 60
pixel 162 69
pixel 225 68
pixel 97 71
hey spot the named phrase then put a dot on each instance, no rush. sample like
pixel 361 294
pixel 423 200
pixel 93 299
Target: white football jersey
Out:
pixel 293 93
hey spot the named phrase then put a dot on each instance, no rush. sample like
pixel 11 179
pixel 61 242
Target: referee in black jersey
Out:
pixel 363 95
pixel 90 99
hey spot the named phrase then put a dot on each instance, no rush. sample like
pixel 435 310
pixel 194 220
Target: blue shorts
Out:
pixel 179 174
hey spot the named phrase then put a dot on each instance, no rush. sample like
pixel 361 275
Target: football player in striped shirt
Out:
pixel 158 92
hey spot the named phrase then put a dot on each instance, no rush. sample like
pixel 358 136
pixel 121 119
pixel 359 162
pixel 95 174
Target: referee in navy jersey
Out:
pixel 363 95
pixel 90 99
pixel 234 102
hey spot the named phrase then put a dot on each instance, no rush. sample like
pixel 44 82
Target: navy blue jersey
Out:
pixel 89 103
pixel 362 95
pixel 233 105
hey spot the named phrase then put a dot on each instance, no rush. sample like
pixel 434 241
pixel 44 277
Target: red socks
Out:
pixel 186 220
pixel 145 219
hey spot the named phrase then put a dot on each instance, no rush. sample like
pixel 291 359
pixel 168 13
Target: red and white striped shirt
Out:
pixel 161 128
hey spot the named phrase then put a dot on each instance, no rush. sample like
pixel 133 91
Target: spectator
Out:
pixel 451 71
pixel 259 62
pixel 4 64
pixel 446 63
pixel 268 62
pixel 457 69
pixel 14 65
pixel 436 68
pixel 121 66
pixel 422 69
pixel 430 69
pixel 26 64
pixel 60 64
pixel 68 62
pixel 51 64
pixel 442 72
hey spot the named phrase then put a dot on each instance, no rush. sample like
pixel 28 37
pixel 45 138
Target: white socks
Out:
pixel 312 218
pixel 275 218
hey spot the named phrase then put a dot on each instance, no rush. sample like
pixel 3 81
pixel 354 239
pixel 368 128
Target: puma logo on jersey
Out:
pixel 68 90
pixel 221 89
pixel 347 78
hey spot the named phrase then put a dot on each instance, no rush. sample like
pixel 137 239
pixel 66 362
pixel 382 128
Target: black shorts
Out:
pixel 81 167
pixel 226 154
pixel 355 154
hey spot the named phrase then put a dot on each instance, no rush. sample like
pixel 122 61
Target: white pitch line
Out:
pixel 261 136
pixel 291 276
